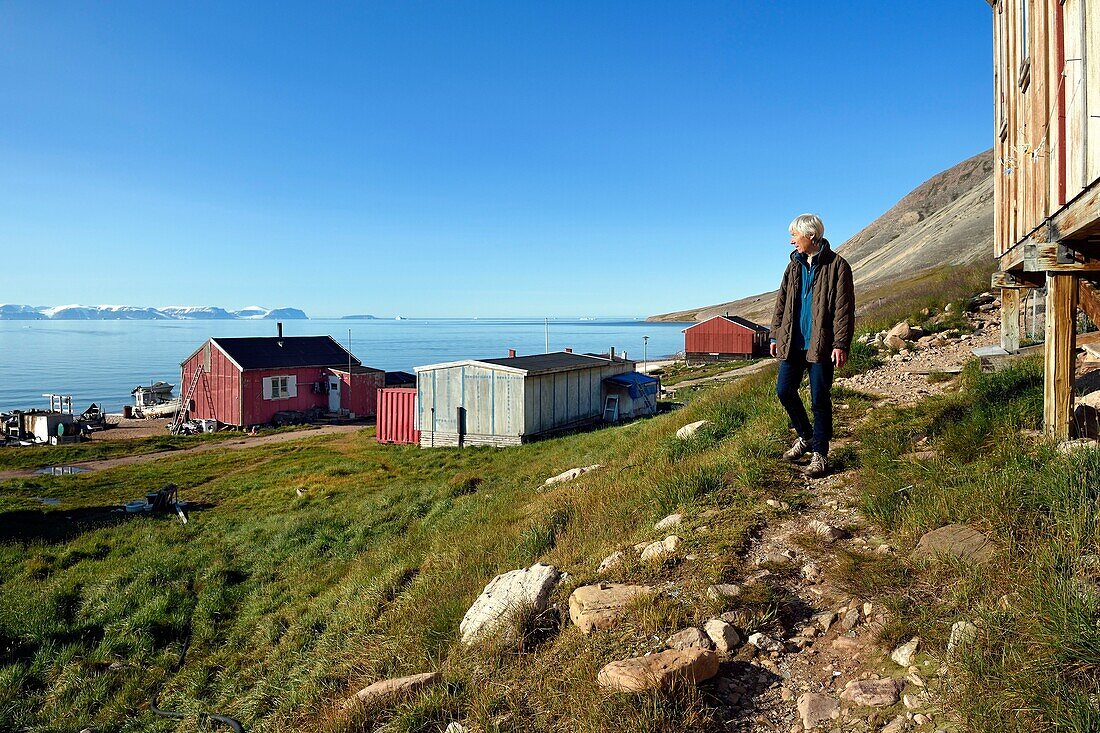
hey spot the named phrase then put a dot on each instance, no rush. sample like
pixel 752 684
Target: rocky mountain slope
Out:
pixel 947 220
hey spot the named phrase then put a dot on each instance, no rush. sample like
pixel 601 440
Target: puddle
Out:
pixel 48 501
pixel 62 470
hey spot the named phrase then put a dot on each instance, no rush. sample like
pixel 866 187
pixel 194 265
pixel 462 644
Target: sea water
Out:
pixel 102 361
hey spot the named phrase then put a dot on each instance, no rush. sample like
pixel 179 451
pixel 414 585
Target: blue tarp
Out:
pixel 637 383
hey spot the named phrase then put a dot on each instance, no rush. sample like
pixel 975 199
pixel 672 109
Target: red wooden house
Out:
pixel 246 381
pixel 724 338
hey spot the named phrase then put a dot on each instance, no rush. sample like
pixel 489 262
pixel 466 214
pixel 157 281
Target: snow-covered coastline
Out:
pixel 12 312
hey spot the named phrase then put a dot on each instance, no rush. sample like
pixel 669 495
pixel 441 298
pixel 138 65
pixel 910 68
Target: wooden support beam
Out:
pixel 1088 299
pixel 1064 256
pixel 1061 331
pixel 1076 221
pixel 1018 280
pixel 1010 319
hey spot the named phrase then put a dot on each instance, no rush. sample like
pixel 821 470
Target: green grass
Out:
pixel 286 604
pixel 1037 663
pixel 678 372
pixel 933 290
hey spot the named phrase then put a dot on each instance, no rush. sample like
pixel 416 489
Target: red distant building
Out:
pixel 246 381
pixel 725 338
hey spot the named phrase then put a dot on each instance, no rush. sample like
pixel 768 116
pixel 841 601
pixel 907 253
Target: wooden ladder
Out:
pixel 177 421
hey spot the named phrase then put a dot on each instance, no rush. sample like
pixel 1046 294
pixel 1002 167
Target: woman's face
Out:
pixel 802 243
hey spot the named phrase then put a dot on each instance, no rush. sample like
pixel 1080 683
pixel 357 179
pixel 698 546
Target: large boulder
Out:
pixel 505 596
pixel 955 541
pixel 901 330
pixel 390 689
pixel 599 607
pixel 690 638
pixel 662 671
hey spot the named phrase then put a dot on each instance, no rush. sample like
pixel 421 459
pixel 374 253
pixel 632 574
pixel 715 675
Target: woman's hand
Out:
pixel 840 357
pixel 774 350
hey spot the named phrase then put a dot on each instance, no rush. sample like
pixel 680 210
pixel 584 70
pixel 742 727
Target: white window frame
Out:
pixel 281 387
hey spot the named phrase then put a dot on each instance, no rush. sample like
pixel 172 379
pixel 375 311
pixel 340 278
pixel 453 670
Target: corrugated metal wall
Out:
pixel 493 400
pixel 397 416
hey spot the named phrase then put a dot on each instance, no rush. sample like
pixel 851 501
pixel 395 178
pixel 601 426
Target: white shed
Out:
pixel 509 401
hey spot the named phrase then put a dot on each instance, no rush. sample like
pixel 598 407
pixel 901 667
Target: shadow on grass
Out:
pixel 55 526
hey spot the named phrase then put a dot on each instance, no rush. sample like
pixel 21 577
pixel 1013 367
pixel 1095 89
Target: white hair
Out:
pixel 808 225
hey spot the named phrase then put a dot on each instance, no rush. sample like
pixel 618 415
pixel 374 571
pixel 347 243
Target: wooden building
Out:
pixel 501 402
pixel 246 381
pixel 1046 58
pixel 724 338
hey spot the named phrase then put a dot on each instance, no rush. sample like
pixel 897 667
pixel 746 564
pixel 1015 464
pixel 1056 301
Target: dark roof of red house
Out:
pixel 272 352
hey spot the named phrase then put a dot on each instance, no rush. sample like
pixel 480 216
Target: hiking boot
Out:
pixel 800 448
pixel 818 466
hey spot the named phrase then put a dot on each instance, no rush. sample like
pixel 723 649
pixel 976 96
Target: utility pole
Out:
pixel 546 326
pixel 645 354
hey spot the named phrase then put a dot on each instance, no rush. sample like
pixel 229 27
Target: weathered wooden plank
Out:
pixel 1018 280
pixel 1061 310
pixel 1092 91
pixel 1088 299
pixel 1010 319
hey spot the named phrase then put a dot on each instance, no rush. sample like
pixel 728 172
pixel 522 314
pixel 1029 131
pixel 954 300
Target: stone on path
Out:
pixel 671 520
pixel 724 636
pixel 570 474
pixel 826 530
pixel 956 541
pixel 661 671
pixel 656 550
pixel 814 709
pixel 387 689
pixel 904 655
pixel 691 429
pixel 507 594
pixel 871 693
pixel 601 606
pixel 690 638
pixel 899 724
pixel 902 330
pixel 765 643
pixel 723 591
pixel 612 561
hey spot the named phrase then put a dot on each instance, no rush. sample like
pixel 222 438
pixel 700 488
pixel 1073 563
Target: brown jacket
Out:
pixel 833 306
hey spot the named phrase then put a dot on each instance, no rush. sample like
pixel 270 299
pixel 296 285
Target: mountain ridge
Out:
pixel 947 220
pixel 76 312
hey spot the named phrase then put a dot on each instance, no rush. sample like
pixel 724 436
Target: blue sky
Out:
pixel 463 158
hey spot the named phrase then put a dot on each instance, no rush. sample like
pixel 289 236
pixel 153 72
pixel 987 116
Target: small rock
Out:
pixel 690 638
pixel 661 671
pixel 910 702
pixel 850 619
pixel 386 689
pixel 601 606
pixel 963 633
pixel 956 541
pixel 454 727
pixel 922 719
pixel 904 655
pixel 776 504
pixel 814 709
pixel 765 643
pixel 570 474
pixel 300 491
pixel 665 547
pixel 826 530
pixel 724 636
pixel 808 631
pixel 723 591
pixel 824 620
pixel 871 693
pixel 691 429
pixel 915 678
pixel 898 725
pixel 612 561
pixel 671 520
pixel 810 571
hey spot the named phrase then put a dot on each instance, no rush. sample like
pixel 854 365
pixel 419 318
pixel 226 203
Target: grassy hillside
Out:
pixel 270 607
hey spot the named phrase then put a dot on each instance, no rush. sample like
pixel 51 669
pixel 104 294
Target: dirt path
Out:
pixel 724 376
pixel 236 444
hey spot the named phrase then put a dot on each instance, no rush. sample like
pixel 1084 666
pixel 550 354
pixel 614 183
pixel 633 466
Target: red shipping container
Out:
pixel 396 422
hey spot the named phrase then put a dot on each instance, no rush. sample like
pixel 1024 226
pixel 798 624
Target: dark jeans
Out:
pixel 791 371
